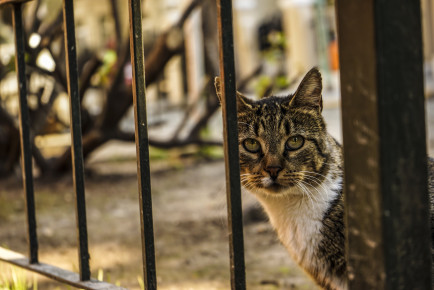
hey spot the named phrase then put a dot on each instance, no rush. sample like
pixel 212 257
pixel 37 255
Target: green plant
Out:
pixel 13 278
pixel 211 152
pixel 141 283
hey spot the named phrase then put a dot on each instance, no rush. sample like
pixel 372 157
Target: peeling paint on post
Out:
pixel 388 240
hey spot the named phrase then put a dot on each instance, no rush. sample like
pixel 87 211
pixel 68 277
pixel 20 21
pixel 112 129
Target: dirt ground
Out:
pixel 189 209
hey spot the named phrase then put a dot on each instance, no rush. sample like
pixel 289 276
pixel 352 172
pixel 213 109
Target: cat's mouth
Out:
pixel 266 184
pixel 275 187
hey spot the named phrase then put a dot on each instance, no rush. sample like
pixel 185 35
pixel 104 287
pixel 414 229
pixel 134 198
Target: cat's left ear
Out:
pixel 308 93
pixel 243 103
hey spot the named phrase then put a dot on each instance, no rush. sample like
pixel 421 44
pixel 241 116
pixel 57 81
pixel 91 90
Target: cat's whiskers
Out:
pixel 293 177
pixel 300 198
pixel 252 181
pixel 319 174
pixel 317 181
pixel 298 178
pixel 245 174
pixel 249 186
pixel 309 195
pixel 318 197
pixel 246 182
pixel 306 192
pixel 320 194
pixel 312 172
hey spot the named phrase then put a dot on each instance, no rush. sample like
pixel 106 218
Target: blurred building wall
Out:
pixel 299 28
pixel 428 29
pixel 248 15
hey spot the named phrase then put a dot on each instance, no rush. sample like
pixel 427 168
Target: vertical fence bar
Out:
pixel 142 144
pixel 387 205
pixel 26 146
pixel 230 133
pixel 76 146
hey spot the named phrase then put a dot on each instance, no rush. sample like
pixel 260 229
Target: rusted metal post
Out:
pixel 387 206
pixel 76 144
pixel 142 144
pixel 26 144
pixel 230 134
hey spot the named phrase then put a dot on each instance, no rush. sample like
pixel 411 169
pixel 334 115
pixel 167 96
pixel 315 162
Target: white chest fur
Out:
pixel 297 219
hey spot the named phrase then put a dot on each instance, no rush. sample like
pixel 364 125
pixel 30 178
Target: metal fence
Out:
pixel 388 241
pixel 83 278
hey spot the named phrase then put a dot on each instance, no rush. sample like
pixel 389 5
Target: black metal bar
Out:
pixel 26 145
pixel 230 133
pixel 76 144
pixel 53 272
pixel 142 144
pixel 387 205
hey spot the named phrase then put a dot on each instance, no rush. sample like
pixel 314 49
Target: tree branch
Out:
pixel 117 22
pixel 88 71
pixel 119 98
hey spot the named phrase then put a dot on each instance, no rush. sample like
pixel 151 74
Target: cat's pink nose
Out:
pixel 273 171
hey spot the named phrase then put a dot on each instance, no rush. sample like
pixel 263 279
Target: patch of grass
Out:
pixel 285 270
pixel 263 83
pixel 158 154
pixel 13 278
pixel 6 210
pixel 100 277
pixel 141 283
pixel 289 271
pixel 211 152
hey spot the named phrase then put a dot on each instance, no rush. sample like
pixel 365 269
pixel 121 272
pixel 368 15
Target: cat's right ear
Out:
pixel 308 93
pixel 243 103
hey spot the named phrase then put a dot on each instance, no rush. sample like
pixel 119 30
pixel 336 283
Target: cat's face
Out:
pixel 282 140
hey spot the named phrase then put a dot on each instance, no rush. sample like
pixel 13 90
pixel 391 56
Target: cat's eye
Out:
pixel 294 142
pixel 252 145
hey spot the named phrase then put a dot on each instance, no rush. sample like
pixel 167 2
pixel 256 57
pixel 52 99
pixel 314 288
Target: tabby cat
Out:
pixel 295 169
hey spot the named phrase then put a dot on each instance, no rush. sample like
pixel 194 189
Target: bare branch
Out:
pixel 35 22
pixel 190 109
pixel 190 8
pixel 86 75
pixel 51 31
pixel 117 22
pixel 40 161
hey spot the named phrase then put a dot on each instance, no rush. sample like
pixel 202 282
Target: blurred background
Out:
pixel 276 43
